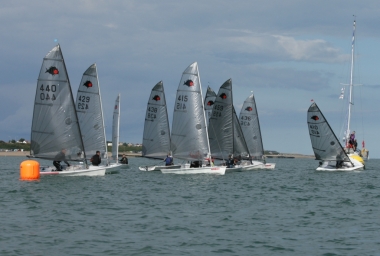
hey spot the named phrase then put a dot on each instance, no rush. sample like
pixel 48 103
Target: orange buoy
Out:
pixel 29 170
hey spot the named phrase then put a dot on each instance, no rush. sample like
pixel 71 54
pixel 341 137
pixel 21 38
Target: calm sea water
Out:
pixel 292 210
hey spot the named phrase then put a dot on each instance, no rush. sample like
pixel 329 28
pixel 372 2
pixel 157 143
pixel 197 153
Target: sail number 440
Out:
pixel 47 92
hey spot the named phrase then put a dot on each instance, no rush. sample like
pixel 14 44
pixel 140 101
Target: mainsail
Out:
pixel 156 137
pixel 226 137
pixel 325 144
pixel 55 123
pixel 115 129
pixel 189 138
pixel 90 113
pixel 209 103
pixel 250 125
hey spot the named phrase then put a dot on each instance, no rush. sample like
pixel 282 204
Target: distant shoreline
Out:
pixel 128 154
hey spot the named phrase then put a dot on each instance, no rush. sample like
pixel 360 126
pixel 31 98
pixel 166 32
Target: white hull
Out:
pixel 157 167
pixel 185 169
pixel 256 165
pixel 75 171
pixel 331 166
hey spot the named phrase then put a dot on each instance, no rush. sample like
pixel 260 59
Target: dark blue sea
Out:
pixel 292 210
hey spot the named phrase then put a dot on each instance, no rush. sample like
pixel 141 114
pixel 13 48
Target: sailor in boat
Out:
pixel 169 160
pixel 61 156
pixel 196 164
pixel 124 159
pixel 230 162
pixel 95 159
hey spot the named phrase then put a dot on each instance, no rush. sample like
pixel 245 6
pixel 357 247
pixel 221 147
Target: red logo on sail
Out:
pixel 248 108
pixel 223 96
pixel 156 98
pixel 189 83
pixel 210 103
pixel 88 84
pixel 52 71
pixel 315 118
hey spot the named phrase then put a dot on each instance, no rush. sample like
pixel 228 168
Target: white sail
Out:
pixel 221 128
pixel 250 125
pixel 189 138
pixel 209 103
pixel 90 113
pixel 225 134
pixel 240 145
pixel 156 137
pixel 115 130
pixel 325 144
pixel 55 123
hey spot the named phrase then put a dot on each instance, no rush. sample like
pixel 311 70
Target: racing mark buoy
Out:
pixel 29 170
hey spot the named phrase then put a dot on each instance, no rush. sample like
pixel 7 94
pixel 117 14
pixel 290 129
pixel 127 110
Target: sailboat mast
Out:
pixel 351 82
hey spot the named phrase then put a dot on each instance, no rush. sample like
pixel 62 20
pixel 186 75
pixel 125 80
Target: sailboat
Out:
pixel 114 164
pixel 89 109
pixel 156 137
pixel 225 134
pixel 326 145
pixel 55 125
pixel 250 125
pixel 189 139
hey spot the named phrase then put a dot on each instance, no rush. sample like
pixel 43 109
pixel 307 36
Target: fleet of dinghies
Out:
pixel 206 137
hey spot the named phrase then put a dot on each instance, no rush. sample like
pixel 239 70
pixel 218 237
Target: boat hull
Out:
pixel 249 167
pixel 185 169
pixel 74 171
pixel 358 165
pixel 158 167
